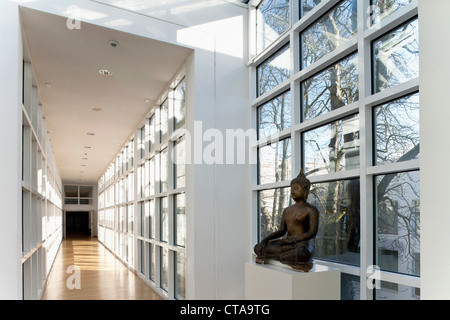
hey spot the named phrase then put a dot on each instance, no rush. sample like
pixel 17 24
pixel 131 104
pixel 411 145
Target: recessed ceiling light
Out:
pixel 106 73
pixel 48 85
pixel 96 108
pixel 87 147
pixel 90 134
pixel 147 101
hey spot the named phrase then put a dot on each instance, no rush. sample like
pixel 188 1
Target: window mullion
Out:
pixel 366 181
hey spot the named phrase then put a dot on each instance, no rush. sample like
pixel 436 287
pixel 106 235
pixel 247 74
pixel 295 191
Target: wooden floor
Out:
pixel 98 274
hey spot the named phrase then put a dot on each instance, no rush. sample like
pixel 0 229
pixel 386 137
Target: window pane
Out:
pixel 141 142
pixel 151 172
pixel 339 227
pixel 179 163
pixel 131 218
pixel 275 162
pixel 397 130
pixel 71 191
pixel 179 105
pixel 307 5
pixel 150 131
pixel 275 115
pixel 331 31
pixel 164 120
pixel 396 57
pixel 164 219
pixel 398 222
pixel 150 218
pixel 332 148
pixel 272 19
pixel 164 171
pixel 140 181
pixel 350 287
pixel 180 287
pixel 384 8
pixel 164 268
pixel 180 219
pixel 142 218
pixel 141 256
pixel 86 192
pixel 274 70
pixel 146 178
pixel 331 89
pixel 152 261
pixel 392 291
pixel 271 205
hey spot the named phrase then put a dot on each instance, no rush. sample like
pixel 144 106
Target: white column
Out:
pixel 11 157
pixel 434 33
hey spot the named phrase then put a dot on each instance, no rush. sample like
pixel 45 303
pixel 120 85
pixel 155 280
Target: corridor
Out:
pixel 85 270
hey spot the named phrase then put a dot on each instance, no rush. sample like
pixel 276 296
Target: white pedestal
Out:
pixel 271 282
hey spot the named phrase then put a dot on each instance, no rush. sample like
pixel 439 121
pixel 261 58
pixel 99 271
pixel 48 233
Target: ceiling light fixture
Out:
pixel 106 73
pixel 90 134
pixel 96 108
pixel 87 147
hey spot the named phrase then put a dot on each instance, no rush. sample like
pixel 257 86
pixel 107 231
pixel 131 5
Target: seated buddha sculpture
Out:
pixel 299 222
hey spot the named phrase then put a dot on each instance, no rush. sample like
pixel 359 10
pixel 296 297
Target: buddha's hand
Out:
pixel 259 247
pixel 287 241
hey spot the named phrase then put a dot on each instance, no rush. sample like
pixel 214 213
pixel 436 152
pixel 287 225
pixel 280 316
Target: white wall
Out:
pixel 434 26
pixel 218 196
pixel 10 155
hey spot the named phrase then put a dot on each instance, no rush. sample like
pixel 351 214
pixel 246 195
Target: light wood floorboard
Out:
pixel 102 275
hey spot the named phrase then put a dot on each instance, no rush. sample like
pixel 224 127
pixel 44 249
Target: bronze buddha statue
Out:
pixel 299 222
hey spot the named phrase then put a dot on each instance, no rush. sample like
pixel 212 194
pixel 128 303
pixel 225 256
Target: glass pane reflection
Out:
pixel 339 223
pixel 331 89
pixel 398 222
pixel 164 121
pixel 180 219
pixel 273 71
pixel 179 163
pixel 396 128
pixel 271 205
pixel 396 57
pixel 180 281
pixel 394 291
pixel 179 112
pixel 330 32
pixel 272 19
pixel 164 269
pixel 275 162
pixel 164 222
pixel 384 8
pixel 332 148
pixel 275 115
pixel 307 5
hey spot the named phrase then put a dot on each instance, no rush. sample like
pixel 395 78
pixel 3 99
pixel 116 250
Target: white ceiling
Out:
pixel 70 61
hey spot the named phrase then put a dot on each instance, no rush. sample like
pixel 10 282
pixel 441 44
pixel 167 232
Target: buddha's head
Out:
pixel 303 182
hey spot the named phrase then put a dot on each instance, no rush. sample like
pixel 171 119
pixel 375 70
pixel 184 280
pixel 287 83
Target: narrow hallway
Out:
pixel 85 270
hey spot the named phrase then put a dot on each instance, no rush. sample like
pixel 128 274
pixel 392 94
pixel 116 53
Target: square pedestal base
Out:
pixel 271 282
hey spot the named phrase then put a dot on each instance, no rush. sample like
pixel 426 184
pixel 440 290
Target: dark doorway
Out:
pixel 77 223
